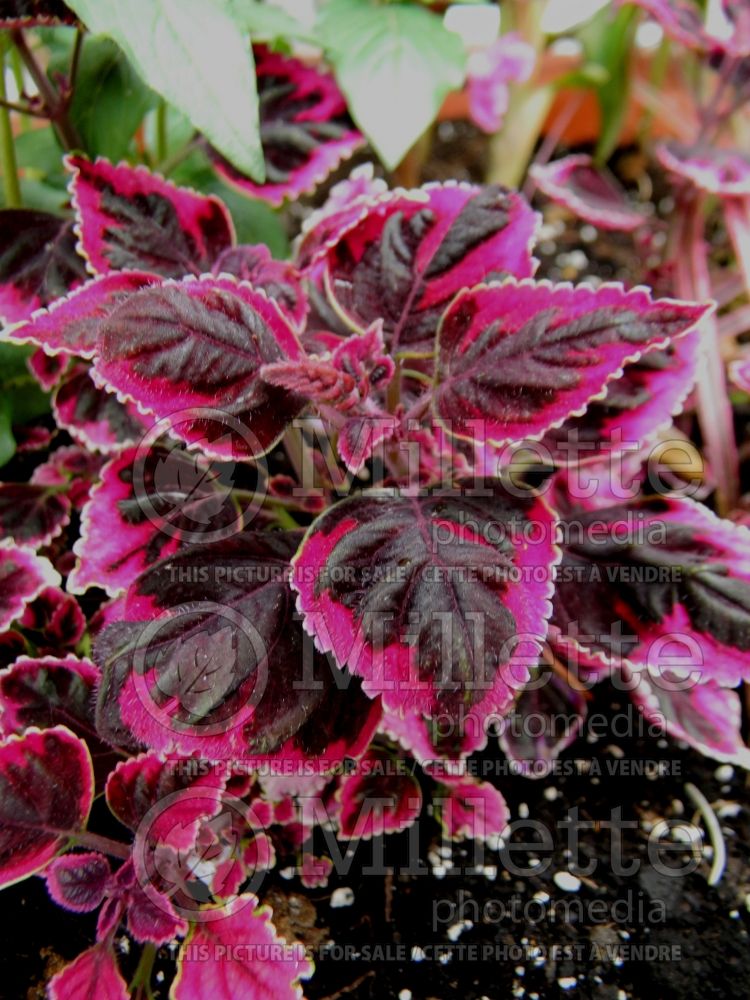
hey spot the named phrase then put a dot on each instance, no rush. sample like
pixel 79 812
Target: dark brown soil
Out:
pixel 647 935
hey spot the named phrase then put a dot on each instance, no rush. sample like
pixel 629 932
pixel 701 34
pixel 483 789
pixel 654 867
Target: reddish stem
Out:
pixel 714 408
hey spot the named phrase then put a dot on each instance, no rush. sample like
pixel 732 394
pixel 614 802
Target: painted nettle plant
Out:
pixel 289 534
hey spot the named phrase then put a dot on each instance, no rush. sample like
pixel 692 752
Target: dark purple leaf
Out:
pixel 48 691
pixel 412 252
pixel 637 406
pixel 592 195
pixel 381 796
pixel 546 717
pixel 23 576
pixel 78 881
pixel 518 358
pixel 660 583
pixel 213 660
pixel 148 503
pixel 201 344
pixel 38 262
pixel 422 597
pixel 34 13
pixel 31 514
pixel 46 791
pixel 305 130
pixel 71 325
pixel 131 219
pixel 705 716
pixel 95 417
pixel 279 279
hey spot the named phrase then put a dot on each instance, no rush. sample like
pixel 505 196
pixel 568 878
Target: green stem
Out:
pixel 512 148
pixel 161 131
pixel 657 75
pixel 283 516
pixel 140 984
pixel 170 163
pixel 11 187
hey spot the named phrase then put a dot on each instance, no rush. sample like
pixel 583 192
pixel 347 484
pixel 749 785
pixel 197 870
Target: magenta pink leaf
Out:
pixel 660 583
pixel 724 172
pixel 94 975
pixel 23 576
pixel 422 597
pixel 78 881
pixel 34 13
pixel 361 436
pixel 518 358
pixel 507 60
pixel 72 467
pixel 705 716
pixel 131 219
pixel 47 368
pixel 199 345
pixel 217 665
pixel 32 514
pixel 412 252
pixel 437 746
pixel 46 791
pixel 381 796
pixel 471 809
pixel 346 203
pixel 588 192
pixel 151 917
pixel 149 502
pixel 38 262
pixel 170 796
pixel 238 940
pixel 93 416
pixel 637 406
pixel 740 373
pixel 279 279
pixel 71 324
pixel 48 691
pixel 304 129
pixel 546 717
pixel 55 620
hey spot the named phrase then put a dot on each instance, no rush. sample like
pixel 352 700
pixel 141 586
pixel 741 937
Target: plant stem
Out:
pixel 715 414
pixel 161 131
pixel 511 149
pixel 54 106
pixel 141 980
pixel 11 187
pixel 106 845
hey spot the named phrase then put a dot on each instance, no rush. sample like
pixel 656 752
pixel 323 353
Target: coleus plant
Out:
pixel 305 500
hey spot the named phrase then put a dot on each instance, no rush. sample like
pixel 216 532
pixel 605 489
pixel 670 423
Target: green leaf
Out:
pixel 395 64
pixel 7 441
pixel 607 41
pixel 254 220
pixel 193 53
pixel 266 23
pixel 110 99
pixel 21 399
